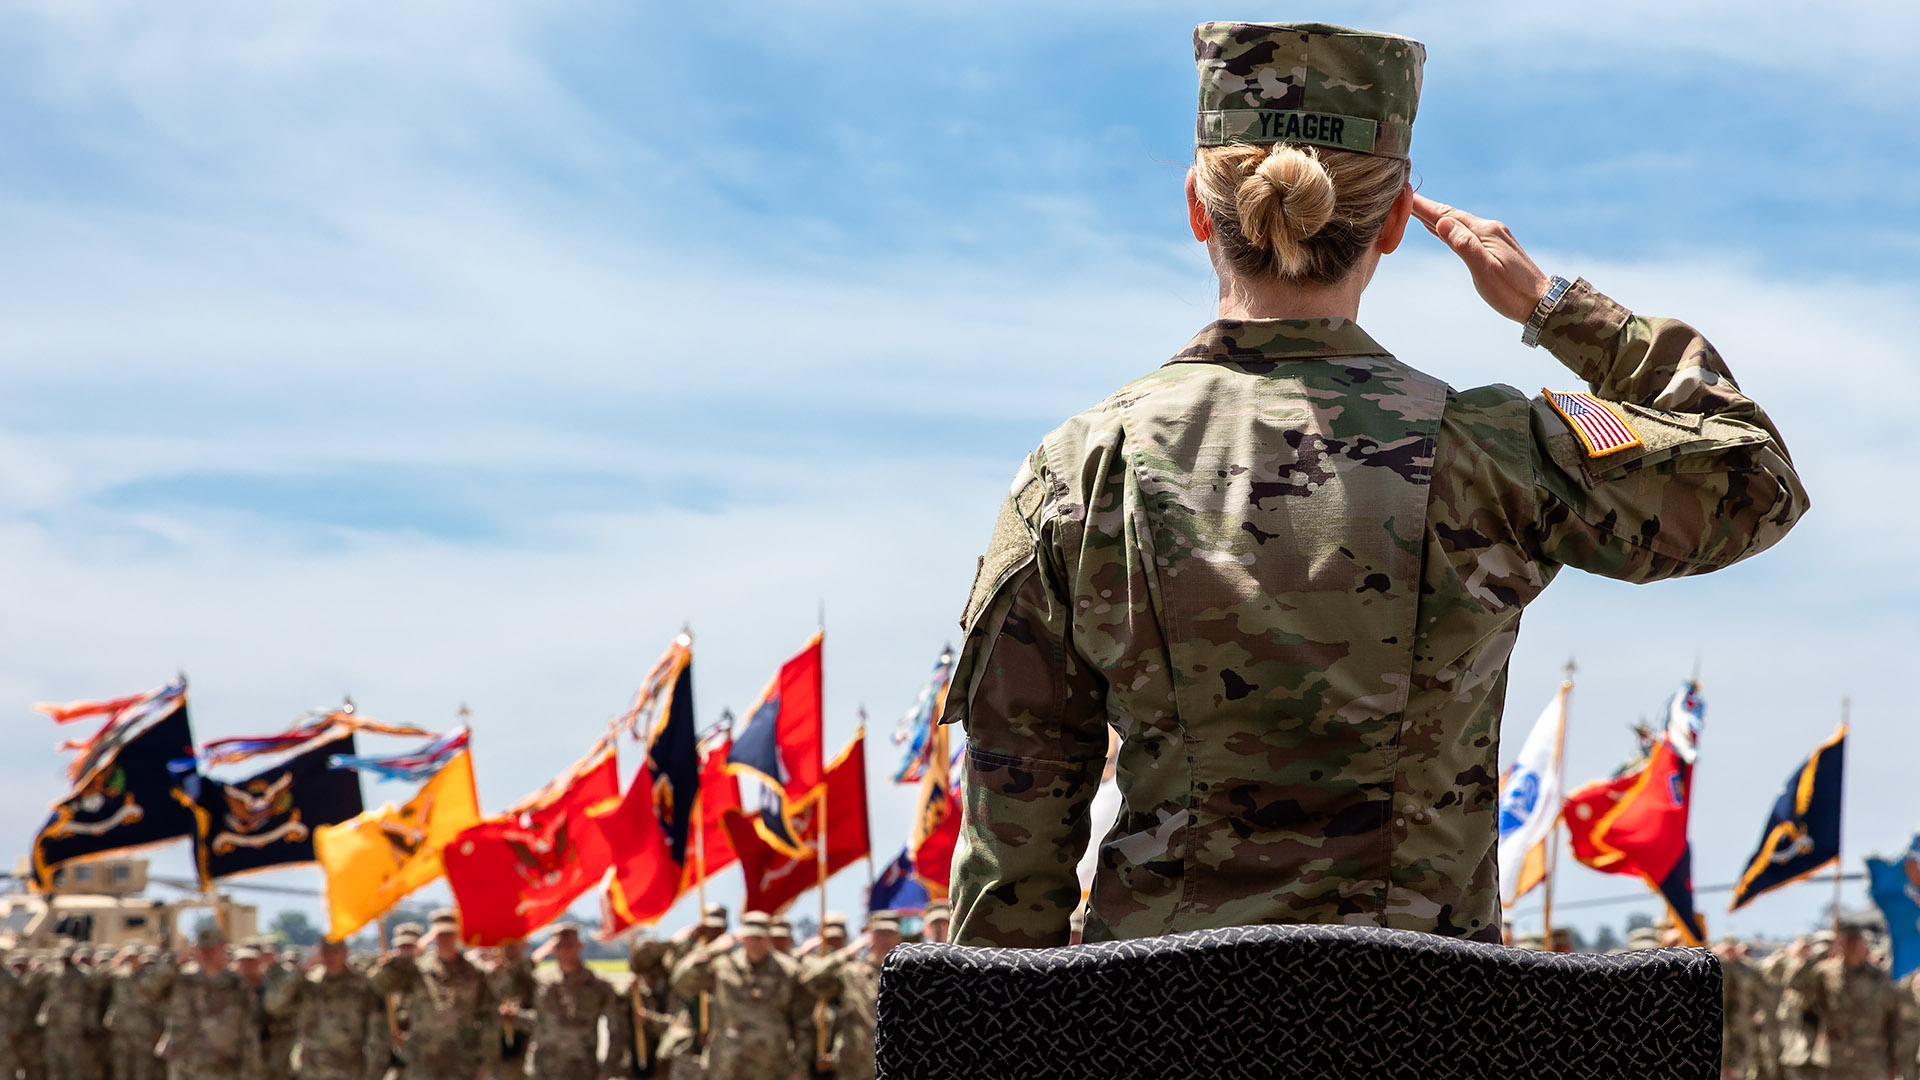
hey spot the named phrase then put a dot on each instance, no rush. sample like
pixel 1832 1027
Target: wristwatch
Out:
pixel 1530 337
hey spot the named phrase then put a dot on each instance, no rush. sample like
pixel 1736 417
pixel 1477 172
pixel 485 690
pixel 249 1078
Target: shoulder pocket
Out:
pixel 1663 437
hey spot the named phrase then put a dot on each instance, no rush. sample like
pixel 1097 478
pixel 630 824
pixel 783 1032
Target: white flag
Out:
pixel 1530 801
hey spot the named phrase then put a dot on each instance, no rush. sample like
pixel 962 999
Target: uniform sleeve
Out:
pixel 693 975
pixel 1710 482
pixel 821 977
pixel 1035 719
pixel 378 1045
pixel 283 995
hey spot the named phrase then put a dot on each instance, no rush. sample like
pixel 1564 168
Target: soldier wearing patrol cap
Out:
pixel 781 931
pixel 213 1018
pixel 1290 567
pixel 934 923
pixel 65 1016
pixel 650 1002
pixel 566 1018
pixel 848 981
pixel 1854 1012
pixel 680 1048
pixel 339 1023
pixel 760 1019
pixel 514 987
pixel 452 1020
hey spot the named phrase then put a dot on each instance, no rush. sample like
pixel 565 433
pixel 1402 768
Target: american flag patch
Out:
pixel 1602 430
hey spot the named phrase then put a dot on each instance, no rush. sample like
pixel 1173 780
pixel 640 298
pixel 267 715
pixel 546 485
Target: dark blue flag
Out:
pixel 673 757
pixel 126 799
pixel 268 819
pixel 1803 832
pixel 1895 884
pixel 898 889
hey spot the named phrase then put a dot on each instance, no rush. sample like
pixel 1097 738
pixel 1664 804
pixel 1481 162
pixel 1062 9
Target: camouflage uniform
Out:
pixel 679 1051
pixel 13 1000
pixel 760 1026
pixel 512 982
pixel 29 1038
pixel 213 1027
pixel 1288 570
pixel 67 1017
pixel 339 1024
pixel 133 1023
pixel 453 1027
pixel 1738 989
pixel 650 1004
pixel 566 1029
pixel 1856 1016
pixel 850 982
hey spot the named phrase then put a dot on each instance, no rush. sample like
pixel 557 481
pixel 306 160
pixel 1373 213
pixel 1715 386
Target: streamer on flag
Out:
pixel 316 725
pixel 125 715
pixel 1531 794
pixel 915 729
pixel 1600 429
pixel 411 766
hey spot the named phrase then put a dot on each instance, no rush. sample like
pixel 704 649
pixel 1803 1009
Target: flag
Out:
pixel 936 830
pixel 1585 807
pixel 126 717
pixel 514 874
pixel 781 744
pixel 646 878
pixel 773 877
pixel 410 766
pixel 898 889
pixel 1646 830
pixel 375 860
pixel 915 730
pixel 1530 800
pixel 719 792
pixel 1601 429
pixel 1895 886
pixel 1803 831
pixel 267 820
pixel 127 798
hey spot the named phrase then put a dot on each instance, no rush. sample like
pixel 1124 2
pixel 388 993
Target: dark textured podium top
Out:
pixel 1297 1002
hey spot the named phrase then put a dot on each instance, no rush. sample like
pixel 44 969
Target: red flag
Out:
pixel 719 792
pixel 774 879
pixel 1585 807
pixel 782 742
pixel 1646 833
pixel 937 829
pixel 643 885
pixel 517 873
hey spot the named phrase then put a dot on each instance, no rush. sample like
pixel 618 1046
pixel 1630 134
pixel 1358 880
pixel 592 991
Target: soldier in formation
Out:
pixel 213 1021
pixel 452 1022
pixel 847 984
pixel 759 1025
pixel 568 1011
pixel 510 976
pixel 338 1021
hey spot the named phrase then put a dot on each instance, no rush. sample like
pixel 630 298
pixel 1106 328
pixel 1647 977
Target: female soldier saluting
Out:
pixel 1288 569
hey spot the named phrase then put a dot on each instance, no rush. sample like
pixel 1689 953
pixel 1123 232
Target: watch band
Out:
pixel 1530 337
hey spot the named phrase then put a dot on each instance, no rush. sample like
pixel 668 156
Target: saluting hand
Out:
pixel 1504 276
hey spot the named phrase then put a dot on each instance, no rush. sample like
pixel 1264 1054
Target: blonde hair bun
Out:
pixel 1285 202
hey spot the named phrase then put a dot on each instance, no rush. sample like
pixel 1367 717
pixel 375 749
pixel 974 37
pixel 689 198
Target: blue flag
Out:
pixel 1803 831
pixel 1895 885
pixel 898 888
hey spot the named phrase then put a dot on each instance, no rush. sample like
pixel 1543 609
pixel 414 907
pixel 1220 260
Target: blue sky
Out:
pixel 460 352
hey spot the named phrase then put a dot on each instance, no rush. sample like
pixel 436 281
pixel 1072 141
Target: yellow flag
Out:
pixel 374 860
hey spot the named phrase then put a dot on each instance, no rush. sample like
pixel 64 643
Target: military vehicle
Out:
pixel 101 902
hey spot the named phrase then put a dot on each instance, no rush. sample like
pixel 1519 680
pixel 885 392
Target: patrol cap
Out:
pixel 754 924
pixel 67 951
pixel 1643 937
pixel 330 945
pixel 834 921
pixel 246 952
pixel 938 910
pixel 1852 927
pixel 884 922
pixel 208 937
pixel 1304 82
pixel 714 917
pixel 780 926
pixel 645 952
pixel 565 929
pixel 444 918
pixel 407 933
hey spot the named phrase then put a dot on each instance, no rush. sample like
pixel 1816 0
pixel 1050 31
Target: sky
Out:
pixel 460 353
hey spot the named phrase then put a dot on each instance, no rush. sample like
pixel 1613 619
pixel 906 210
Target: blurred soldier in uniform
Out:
pixel 1793 1028
pixel 259 972
pixel 849 981
pixel 512 982
pixel 29 1038
pixel 1855 1014
pixel 339 1023
pixel 782 933
pixel 133 1020
pixel 65 1010
pixel 1289 568
pixel 938 917
pixel 213 1020
pixel 1739 990
pixel 566 1019
pixel 452 1022
pixel 649 1002
pixel 759 1025
pixel 13 1000
pixel 681 1048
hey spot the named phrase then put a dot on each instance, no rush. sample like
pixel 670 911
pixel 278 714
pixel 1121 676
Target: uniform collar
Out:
pixel 1277 339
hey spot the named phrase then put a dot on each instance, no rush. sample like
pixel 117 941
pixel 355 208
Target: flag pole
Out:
pixel 862 736
pixel 1560 781
pixel 1839 861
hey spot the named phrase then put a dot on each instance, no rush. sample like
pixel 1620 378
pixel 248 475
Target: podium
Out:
pixel 1297 1003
